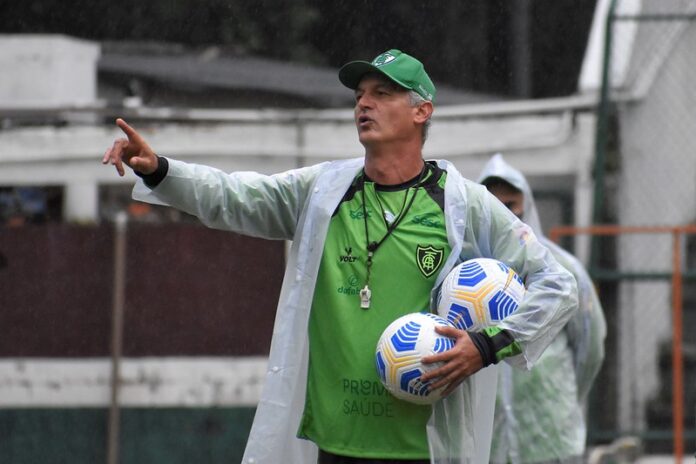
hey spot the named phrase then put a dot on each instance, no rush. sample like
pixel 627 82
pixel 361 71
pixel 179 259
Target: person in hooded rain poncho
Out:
pixel 372 239
pixel 539 415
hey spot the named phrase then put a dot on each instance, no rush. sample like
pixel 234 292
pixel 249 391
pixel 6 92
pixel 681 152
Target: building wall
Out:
pixel 199 308
pixel 47 71
pixel 190 291
pixel 552 146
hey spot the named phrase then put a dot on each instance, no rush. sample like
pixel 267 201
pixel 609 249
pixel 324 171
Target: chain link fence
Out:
pixel 646 176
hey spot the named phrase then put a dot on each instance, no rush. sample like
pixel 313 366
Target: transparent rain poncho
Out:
pixel 539 415
pixel 297 205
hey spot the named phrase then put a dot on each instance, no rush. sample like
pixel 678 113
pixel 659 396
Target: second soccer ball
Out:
pixel 479 293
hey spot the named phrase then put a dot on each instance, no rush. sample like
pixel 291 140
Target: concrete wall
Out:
pixel 47 71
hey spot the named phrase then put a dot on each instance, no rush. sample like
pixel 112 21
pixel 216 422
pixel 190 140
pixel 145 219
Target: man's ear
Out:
pixel 423 112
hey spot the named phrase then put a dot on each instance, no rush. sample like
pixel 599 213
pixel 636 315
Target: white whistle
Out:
pixel 365 295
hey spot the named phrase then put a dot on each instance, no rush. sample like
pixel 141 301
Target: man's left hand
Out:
pixel 460 362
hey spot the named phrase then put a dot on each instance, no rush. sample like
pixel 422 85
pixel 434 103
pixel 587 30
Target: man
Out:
pixel 539 414
pixel 361 231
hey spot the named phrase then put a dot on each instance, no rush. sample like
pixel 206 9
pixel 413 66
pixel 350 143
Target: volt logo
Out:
pixel 348 256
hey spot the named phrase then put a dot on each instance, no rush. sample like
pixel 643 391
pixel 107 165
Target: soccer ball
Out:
pixel 478 293
pixel 399 351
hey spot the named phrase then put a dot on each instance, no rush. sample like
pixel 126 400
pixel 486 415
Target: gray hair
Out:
pixel 417 99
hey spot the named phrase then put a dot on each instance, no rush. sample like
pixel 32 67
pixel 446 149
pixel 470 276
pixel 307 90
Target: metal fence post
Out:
pixel 117 335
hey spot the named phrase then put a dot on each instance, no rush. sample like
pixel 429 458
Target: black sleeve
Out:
pixel 485 346
pixel 494 344
pixel 153 180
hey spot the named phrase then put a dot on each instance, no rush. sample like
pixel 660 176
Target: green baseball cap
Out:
pixel 398 66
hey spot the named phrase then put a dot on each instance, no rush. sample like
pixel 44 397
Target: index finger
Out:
pixel 131 133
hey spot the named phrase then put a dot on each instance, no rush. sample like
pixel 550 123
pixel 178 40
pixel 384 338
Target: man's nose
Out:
pixel 364 102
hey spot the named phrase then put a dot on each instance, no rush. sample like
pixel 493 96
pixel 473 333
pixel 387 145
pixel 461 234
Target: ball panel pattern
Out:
pixel 479 293
pixel 399 351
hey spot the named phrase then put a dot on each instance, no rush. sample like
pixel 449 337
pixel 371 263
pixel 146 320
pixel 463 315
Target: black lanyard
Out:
pixel 366 293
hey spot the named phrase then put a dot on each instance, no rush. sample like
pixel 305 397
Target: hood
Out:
pixel 498 167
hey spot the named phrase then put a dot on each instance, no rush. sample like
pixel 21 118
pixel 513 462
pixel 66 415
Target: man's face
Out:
pixel 512 198
pixel 383 112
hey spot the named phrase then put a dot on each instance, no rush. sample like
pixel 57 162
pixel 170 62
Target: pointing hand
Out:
pixel 133 151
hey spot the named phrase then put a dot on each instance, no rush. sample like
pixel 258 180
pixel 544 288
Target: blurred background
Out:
pixel 131 330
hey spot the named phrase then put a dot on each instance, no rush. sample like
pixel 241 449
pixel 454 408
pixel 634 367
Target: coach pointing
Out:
pixel 354 226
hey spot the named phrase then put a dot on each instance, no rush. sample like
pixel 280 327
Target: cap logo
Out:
pixel 383 59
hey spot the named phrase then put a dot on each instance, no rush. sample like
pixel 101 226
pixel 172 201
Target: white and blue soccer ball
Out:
pixel 479 293
pixel 399 351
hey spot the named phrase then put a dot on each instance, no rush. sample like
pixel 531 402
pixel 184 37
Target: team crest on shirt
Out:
pixel 429 259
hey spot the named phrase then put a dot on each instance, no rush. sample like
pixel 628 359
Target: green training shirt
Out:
pixel 347 410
